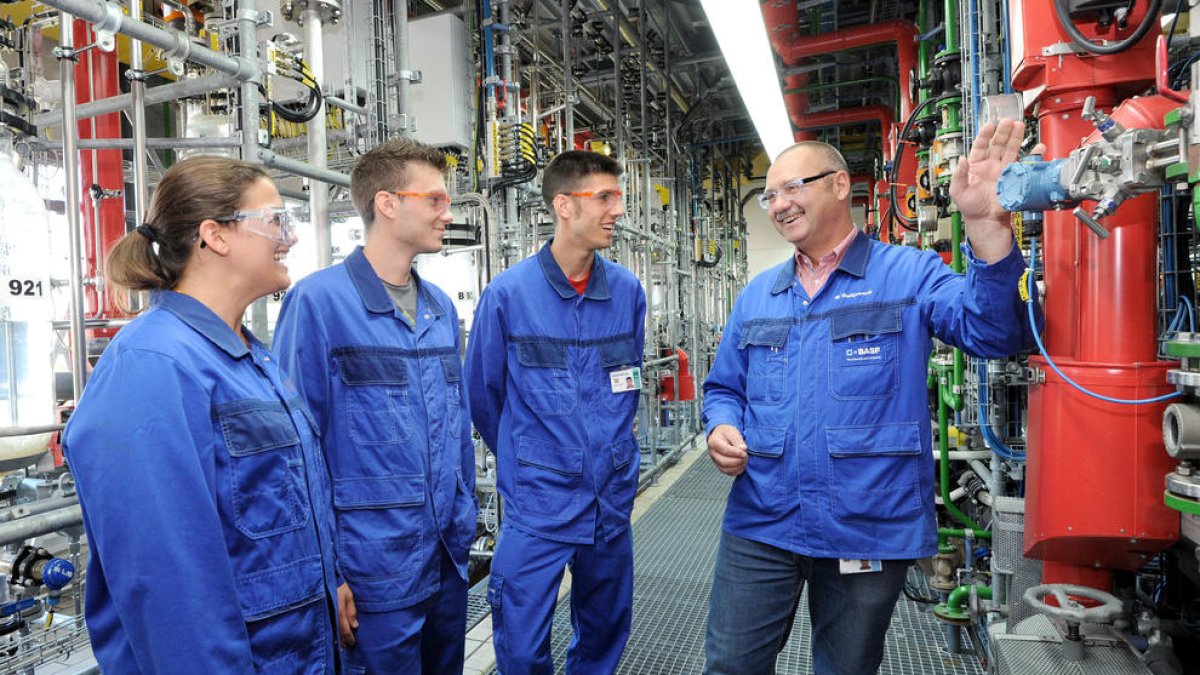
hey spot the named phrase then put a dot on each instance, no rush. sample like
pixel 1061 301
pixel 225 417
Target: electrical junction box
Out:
pixel 441 103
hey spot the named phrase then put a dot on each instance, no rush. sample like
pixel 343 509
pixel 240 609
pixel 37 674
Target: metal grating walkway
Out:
pixel 674 552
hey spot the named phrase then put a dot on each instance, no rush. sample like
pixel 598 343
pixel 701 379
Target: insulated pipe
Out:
pixel 72 189
pixel 108 16
pixel 846 116
pixel 17 531
pixel 137 92
pixel 403 66
pixel 248 93
pixel 160 94
pixel 782 29
pixel 318 144
pixel 903 33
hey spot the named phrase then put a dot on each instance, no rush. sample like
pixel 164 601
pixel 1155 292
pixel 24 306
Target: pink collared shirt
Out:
pixel 813 277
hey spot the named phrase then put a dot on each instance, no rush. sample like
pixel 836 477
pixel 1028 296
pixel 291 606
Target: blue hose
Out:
pixel 985 426
pixel 1042 348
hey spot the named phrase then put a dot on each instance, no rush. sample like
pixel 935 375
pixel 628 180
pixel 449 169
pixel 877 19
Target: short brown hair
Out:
pixel 385 167
pixel 190 192
pixel 569 169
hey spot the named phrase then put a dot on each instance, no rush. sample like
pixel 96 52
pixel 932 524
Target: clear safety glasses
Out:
pixel 274 223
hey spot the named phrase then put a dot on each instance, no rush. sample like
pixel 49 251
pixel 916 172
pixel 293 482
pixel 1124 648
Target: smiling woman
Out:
pixel 229 507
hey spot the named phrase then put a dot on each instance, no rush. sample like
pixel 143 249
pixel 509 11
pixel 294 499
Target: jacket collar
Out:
pixel 854 262
pixel 372 291
pixel 204 321
pixel 597 288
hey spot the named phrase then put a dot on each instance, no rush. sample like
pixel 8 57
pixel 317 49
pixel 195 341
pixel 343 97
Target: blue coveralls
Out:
pixel 829 393
pixel 538 365
pixel 388 398
pixel 206 504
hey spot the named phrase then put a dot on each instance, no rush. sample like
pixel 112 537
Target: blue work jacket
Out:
pixel 538 365
pixel 829 393
pixel 206 504
pixel 388 398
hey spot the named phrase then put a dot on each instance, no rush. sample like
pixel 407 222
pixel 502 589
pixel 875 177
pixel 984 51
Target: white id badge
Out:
pixel 628 379
pixel 847 566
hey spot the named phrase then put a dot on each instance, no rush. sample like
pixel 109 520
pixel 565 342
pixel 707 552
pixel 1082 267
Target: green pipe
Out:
pixel 945 534
pixel 944 467
pixel 922 47
pixel 959 596
pixel 955 610
pixel 951 23
pixel 956 240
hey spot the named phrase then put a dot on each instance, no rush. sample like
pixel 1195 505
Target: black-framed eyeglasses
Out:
pixel 791 189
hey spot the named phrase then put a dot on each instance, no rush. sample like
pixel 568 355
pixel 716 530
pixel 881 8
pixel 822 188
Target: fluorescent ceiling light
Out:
pixel 742 34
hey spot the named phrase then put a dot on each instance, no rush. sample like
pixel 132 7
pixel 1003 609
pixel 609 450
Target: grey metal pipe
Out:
pixel 568 76
pixel 654 363
pixel 73 187
pixel 511 87
pixel 318 142
pixel 35 508
pixel 160 94
pixel 347 106
pixel 13 432
pixel 108 16
pixel 91 323
pixel 137 91
pixel 302 169
pixel 403 67
pixel 153 143
pixel 35 526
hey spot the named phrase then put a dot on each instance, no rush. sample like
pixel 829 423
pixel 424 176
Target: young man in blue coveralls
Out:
pixel 553 340
pixel 816 402
pixel 375 352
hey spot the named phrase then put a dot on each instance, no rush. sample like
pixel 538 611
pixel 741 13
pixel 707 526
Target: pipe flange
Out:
pixel 330 11
pixel 1184 378
pixel 1183 484
pixel 1181 431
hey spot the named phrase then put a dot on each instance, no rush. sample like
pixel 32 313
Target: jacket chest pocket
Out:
pixel 863 359
pixel 765 347
pixel 614 356
pixel 547 384
pixel 266 467
pixel 377 397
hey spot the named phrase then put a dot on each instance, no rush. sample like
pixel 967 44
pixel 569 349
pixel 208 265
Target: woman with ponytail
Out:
pixel 205 498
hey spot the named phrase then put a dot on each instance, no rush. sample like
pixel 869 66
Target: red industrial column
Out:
pixel 1095 469
pixel 98 77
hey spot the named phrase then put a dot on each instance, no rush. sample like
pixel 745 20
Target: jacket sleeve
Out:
pixel 725 386
pixel 302 348
pixel 141 449
pixel 982 312
pixel 486 366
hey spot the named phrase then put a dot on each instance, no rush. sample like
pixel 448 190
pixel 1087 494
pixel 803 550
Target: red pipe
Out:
pixel 903 33
pixel 846 116
pixel 98 77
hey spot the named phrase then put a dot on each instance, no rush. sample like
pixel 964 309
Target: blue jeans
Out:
pixel 756 591
pixel 428 637
pixel 523 590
